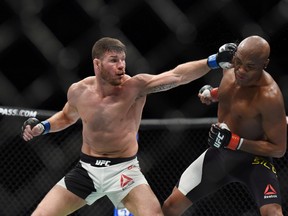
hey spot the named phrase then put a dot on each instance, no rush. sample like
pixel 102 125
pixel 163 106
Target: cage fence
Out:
pixel 166 148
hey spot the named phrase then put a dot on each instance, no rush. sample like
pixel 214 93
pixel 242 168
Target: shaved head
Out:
pixel 255 47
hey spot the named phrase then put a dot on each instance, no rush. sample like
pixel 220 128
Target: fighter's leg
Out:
pixel 176 203
pixel 205 175
pixel 271 210
pixel 141 201
pixel 264 185
pixel 58 201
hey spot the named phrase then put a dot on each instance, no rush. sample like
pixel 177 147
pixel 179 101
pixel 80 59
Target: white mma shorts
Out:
pixel 93 178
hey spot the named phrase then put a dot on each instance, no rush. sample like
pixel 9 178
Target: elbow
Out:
pixel 72 121
pixel 280 153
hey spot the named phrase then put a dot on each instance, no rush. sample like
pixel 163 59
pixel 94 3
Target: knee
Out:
pixel 39 212
pixel 176 204
pixel 271 210
pixel 154 209
pixel 169 209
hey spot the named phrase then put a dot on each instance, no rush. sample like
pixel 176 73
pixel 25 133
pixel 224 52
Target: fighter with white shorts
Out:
pixel 93 178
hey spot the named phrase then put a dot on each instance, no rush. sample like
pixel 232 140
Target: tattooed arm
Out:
pixel 180 75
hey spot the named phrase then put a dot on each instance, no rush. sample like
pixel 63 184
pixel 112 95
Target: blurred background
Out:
pixel 45 46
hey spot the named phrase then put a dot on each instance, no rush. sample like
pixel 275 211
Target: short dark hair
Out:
pixel 107 44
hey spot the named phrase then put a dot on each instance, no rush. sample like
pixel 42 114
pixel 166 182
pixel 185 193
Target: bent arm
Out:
pixel 57 122
pixel 271 148
pixel 63 119
pixel 69 114
pixel 275 128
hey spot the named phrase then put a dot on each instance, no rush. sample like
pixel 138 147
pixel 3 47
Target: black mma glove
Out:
pixel 45 125
pixel 31 121
pixel 221 137
pixel 223 58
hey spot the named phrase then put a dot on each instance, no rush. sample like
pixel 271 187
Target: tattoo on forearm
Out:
pixel 163 87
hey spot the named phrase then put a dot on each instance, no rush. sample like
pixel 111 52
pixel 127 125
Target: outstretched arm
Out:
pixel 187 72
pixel 180 75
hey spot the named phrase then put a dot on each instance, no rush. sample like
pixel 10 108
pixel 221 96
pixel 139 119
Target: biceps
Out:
pixel 70 113
pixel 161 87
pixel 162 82
pixel 276 128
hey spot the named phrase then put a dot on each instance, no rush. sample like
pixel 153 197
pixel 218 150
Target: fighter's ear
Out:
pixel 96 62
pixel 266 63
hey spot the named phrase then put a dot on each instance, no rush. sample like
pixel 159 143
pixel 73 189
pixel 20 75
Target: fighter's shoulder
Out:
pixel 271 94
pixel 228 72
pixel 228 75
pixel 82 85
pixel 270 100
pixel 271 88
pixel 139 78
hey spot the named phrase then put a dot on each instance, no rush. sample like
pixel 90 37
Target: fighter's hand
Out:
pixel 208 94
pixel 223 58
pixel 31 128
pixel 220 136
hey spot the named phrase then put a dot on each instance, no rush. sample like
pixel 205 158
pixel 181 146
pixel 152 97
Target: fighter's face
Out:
pixel 247 70
pixel 112 67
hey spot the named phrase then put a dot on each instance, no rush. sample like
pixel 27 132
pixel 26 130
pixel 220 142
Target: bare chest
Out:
pixel 102 110
pixel 240 108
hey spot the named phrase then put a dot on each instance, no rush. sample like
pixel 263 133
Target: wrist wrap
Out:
pixel 235 142
pixel 47 126
pixel 211 62
pixel 214 93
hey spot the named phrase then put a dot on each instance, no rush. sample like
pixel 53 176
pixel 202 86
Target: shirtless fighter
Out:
pixel 110 105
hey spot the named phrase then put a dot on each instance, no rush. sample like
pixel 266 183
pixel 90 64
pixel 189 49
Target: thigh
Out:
pixel 204 176
pixel 263 182
pixel 59 201
pixel 141 201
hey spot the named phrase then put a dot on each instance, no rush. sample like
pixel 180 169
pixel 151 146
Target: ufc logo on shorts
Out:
pixel 102 163
pixel 218 140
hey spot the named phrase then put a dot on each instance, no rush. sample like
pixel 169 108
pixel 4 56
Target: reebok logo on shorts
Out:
pixel 125 181
pixel 270 192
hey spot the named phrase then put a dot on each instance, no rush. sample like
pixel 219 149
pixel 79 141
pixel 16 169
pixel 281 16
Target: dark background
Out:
pixel 45 46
